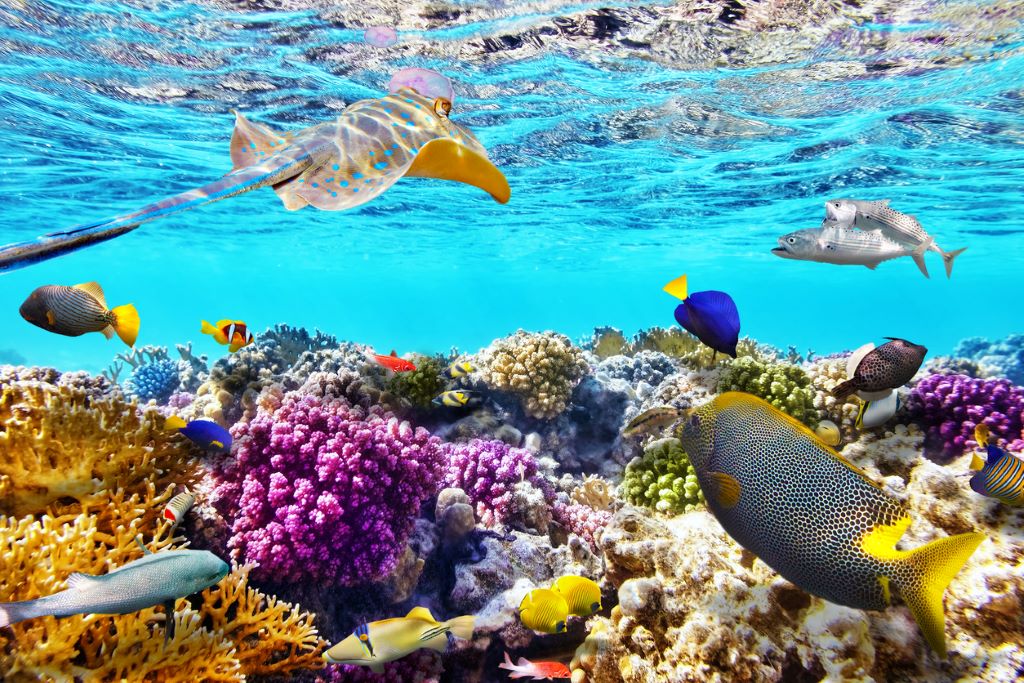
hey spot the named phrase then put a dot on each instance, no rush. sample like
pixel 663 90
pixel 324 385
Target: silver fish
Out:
pixel 844 247
pixel 897 226
pixel 157 578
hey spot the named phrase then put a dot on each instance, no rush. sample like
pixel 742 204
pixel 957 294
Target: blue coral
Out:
pixel 646 366
pixel 156 380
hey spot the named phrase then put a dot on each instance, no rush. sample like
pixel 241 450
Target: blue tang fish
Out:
pixel 1000 475
pixel 204 433
pixel 710 316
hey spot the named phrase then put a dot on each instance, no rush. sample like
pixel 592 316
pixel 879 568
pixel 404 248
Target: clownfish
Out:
pixel 233 333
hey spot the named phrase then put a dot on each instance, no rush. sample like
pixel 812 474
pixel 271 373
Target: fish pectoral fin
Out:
pixel 169 623
pixel 976 462
pixel 217 444
pixel 934 566
pixel 883 581
pixel 376 668
pixel 94 290
pixel 51 318
pixel 254 142
pixel 78 579
pixel 145 550
pixel 446 159
pixel 870 266
pixel 726 490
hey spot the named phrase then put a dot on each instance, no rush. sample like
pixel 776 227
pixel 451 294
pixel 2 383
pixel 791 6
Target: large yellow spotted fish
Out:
pixel 332 166
pixel 814 517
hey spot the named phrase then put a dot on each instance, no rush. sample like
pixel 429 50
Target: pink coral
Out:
pixel 322 490
pixel 582 520
pixel 488 472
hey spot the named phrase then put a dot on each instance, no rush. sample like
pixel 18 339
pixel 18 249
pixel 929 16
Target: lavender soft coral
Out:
pixel 488 472
pixel 321 490
pixel 950 406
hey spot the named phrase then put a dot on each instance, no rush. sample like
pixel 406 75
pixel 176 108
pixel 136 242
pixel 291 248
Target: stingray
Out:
pixel 331 166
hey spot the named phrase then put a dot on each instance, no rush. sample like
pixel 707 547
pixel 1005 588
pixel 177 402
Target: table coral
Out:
pixel 320 490
pixel 541 369
pixel 66 442
pixel 948 407
pixel 236 631
pixel 785 386
pixel 663 479
pixel 488 472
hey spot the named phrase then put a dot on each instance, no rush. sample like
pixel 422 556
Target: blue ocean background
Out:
pixel 626 171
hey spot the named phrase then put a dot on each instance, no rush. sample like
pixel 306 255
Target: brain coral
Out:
pixel 65 441
pixel 234 631
pixel 785 386
pixel 320 490
pixel 663 479
pixel 541 369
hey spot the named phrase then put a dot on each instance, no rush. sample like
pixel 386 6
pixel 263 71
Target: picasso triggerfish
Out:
pixel 813 516
pixel 710 316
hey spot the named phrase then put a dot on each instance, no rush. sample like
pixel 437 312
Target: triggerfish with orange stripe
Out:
pixel 539 671
pixel 203 433
pixel 74 311
pixel 814 517
pixel 234 334
pixel 1000 475
pixel 392 362
pixel 710 316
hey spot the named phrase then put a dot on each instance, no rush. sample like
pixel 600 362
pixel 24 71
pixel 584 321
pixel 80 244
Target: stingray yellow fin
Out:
pixel 448 160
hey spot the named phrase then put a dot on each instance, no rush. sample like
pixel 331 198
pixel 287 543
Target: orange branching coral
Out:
pixel 236 631
pixel 62 444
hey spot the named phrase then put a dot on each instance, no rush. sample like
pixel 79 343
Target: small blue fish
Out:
pixel 204 433
pixel 710 316
pixel 1000 476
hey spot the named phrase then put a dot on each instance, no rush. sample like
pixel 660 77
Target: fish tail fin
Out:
pixel 677 288
pixel 918 257
pixel 13 612
pixel 126 323
pixel 844 389
pixel 936 563
pixel 174 422
pixel 947 259
pixel 207 328
pixel 461 627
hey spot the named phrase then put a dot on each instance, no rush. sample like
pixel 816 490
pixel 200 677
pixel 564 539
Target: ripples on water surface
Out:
pixel 641 141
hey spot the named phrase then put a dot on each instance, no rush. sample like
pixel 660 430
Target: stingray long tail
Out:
pixel 274 170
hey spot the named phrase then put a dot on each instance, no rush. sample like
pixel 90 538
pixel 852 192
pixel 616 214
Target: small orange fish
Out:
pixel 540 671
pixel 392 362
pixel 234 334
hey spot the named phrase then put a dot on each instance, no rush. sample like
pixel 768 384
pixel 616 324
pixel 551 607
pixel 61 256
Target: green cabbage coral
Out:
pixel 421 385
pixel 785 386
pixel 663 479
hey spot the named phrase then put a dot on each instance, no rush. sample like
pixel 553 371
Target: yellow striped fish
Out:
pixel 1000 476
pixel 813 516
pixel 456 370
pixel 74 311
pixel 652 420
pixel 458 398
pixel 544 610
pixel 582 595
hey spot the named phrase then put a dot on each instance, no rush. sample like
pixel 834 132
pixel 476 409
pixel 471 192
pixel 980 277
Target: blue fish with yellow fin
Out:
pixel 203 433
pixel 710 316
pixel 813 516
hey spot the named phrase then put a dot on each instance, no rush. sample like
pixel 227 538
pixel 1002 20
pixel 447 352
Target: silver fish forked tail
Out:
pixel 947 259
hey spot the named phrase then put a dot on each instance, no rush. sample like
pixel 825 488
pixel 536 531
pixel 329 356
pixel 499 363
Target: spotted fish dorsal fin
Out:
pixel 726 490
pixel 94 290
pixel 421 613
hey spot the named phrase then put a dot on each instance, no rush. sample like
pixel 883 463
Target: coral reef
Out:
pixel 1003 358
pixel 235 631
pixel 153 381
pixel 787 387
pixel 825 374
pixel 650 367
pixel 321 490
pixel 63 442
pixel 541 369
pixel 948 407
pixel 488 472
pixel 582 520
pixel 663 479
pixel 420 386
pixel 607 342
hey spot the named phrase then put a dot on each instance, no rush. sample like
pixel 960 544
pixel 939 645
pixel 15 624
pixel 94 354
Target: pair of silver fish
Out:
pixel 861 233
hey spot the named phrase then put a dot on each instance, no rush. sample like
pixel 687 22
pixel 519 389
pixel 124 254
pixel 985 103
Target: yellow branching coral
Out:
pixel 542 369
pixel 64 443
pixel 236 630
pixel 595 492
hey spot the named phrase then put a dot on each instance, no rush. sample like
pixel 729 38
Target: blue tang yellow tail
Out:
pixel 711 316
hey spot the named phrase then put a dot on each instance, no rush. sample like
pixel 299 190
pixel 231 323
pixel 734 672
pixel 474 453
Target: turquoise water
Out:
pixel 634 154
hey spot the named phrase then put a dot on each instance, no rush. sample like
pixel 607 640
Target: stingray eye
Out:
pixel 442 107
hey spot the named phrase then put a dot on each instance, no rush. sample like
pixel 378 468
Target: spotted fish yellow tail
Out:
pixel 126 323
pixel 922 574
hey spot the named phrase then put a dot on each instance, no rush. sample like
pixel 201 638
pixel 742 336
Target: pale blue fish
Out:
pixel 332 166
pixel 155 579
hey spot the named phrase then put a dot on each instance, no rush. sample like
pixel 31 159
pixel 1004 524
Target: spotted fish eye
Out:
pixel 442 106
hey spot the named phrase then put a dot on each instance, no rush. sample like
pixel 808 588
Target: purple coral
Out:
pixel 582 520
pixel 488 472
pixel 320 490
pixel 949 407
pixel 422 666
